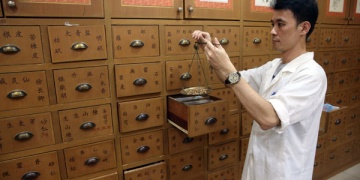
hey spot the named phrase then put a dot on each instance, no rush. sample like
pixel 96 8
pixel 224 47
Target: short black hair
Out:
pixel 303 10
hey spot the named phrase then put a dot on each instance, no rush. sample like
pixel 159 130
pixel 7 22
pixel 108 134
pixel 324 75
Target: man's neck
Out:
pixel 289 55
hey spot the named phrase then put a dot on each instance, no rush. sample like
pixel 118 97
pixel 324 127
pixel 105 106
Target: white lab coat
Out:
pixel 297 94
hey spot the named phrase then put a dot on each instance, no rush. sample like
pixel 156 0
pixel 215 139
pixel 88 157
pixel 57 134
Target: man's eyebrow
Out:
pixel 277 20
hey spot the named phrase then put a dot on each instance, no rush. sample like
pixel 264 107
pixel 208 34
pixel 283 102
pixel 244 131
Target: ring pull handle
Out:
pixel 328 39
pixel 79 46
pixel 23 136
pixel 140 82
pixel 210 121
pixel 83 87
pixel 87 125
pixel 257 41
pixel 186 76
pixel 184 42
pixel 224 41
pixel 187 167
pixel 11 4
pixel 92 161
pixel 16 94
pixel 30 175
pixel 142 117
pixel 223 157
pixel 9 48
pixel 224 131
pixel 187 140
pixel 143 149
pixel 137 44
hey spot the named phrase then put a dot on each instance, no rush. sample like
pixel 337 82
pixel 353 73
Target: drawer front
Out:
pixel 227 173
pixel 313 40
pixel 228 36
pixel 180 142
pixel 341 81
pixel 26 132
pixel 222 155
pixel 90 158
pixel 355 78
pixel 77 43
pixel 88 122
pixel 256 39
pixel 250 62
pixel 230 132
pixel 23 90
pixel 334 139
pixel 318 164
pixel 81 84
pixel 344 60
pixel 141 114
pixel 346 38
pixel 135 41
pixel 58 8
pixel 110 176
pixel 246 123
pixel 43 166
pixel 328 37
pixel 336 120
pixel 228 95
pixel 178 40
pixel 137 79
pixel 321 142
pixel 188 165
pixel 20 45
pixel 153 171
pixel 210 75
pixel 326 60
pixel 331 159
pixel 244 143
pixel 340 98
pixel 142 146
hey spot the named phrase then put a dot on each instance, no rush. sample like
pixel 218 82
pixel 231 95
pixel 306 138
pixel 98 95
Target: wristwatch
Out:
pixel 233 78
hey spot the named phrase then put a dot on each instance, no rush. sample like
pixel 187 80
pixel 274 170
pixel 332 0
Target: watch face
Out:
pixel 234 78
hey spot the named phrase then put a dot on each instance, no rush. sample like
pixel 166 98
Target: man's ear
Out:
pixel 304 27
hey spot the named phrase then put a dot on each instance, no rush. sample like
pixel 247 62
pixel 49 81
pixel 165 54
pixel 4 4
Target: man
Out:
pixel 285 96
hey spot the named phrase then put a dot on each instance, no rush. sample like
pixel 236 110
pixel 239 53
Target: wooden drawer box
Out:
pixel 256 39
pixel 87 122
pixel 135 41
pixel 249 62
pixel 180 142
pixel 141 114
pixel 246 123
pixel 40 166
pixel 90 158
pixel 77 43
pixel 46 8
pixel 137 79
pixel 222 155
pixel 328 37
pixel 244 143
pixel 228 36
pixel 81 84
pixel 142 146
pixel 229 95
pixel 335 120
pixel 326 59
pixel 26 132
pixel 110 176
pixel 197 116
pixel 232 131
pixel 152 171
pixel 227 173
pixel 23 90
pixel 190 165
pixel 20 45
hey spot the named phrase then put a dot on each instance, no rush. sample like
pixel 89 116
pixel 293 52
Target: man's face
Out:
pixel 285 32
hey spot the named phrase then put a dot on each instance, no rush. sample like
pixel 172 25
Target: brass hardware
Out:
pixel 9 48
pixel 87 125
pixel 187 167
pixel 22 136
pixel 308 39
pixel 16 94
pixel 92 161
pixel 30 175
pixel 346 39
pixel 180 9
pixel 224 41
pixel 186 76
pixel 143 149
pixel 11 3
pixel 344 61
pixel 83 87
pixel 223 157
pixel 191 9
pixel 137 44
pixel 140 82
pixel 210 121
pixel 341 81
pixel 318 146
pixel 328 39
pixel 257 41
pixel 184 42
pixel 224 131
pixel 142 117
pixel 187 140
pixel 326 62
pixel 337 122
pixel 79 46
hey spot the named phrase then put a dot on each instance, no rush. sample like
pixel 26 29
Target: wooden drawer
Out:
pixel 111 176
pixel 335 120
pixel 246 123
pixel 90 158
pixel 152 171
pixel 355 78
pixel 318 164
pixel 26 132
pixel 180 142
pixel 228 95
pixel 326 59
pixel 141 114
pixel 178 40
pixel 77 43
pixel 346 154
pixel 137 79
pixel 346 38
pixel 142 146
pixel 321 142
pixel 228 133
pixel 342 81
pixel 313 40
pixel 222 155
pixel 250 62
pixel 334 139
pixel 331 159
pixel 330 82
pixel 210 75
pixel 79 84
pixel 244 143
pixel 58 8
pixel 135 41
pixel 228 36
pixel 256 39
pixel 43 166
pixel 87 122
pixel 328 37
pixel 340 99
pixel 227 173
pixel 23 90
pixel 197 117
pixel 344 60
pixel 189 165
pixel 20 45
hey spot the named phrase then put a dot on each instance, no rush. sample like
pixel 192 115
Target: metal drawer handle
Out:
pixel 187 167
pixel 16 94
pixel 185 76
pixel 223 157
pixel 79 46
pixel 328 39
pixel 354 98
pixel 143 149
pixel 9 48
pixel 353 116
pixel 210 121
pixel 349 133
pixel 22 136
pixel 30 175
pixel 341 81
pixel 318 146
pixel 257 41
pixel 11 4
pixel 334 139
pixel 142 117
pixel 339 101
pixel 344 61
pixel 184 42
pixel 188 140
pixel 87 125
pixel 83 87
pixel 224 41
pixel 136 44
pixel 180 9
pixel 337 122
pixel 332 157
pixel 346 39
pixel 191 9
pixel 92 161
pixel 326 62
pixel 315 164
pixel 308 39
pixel 140 81
pixel 224 131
